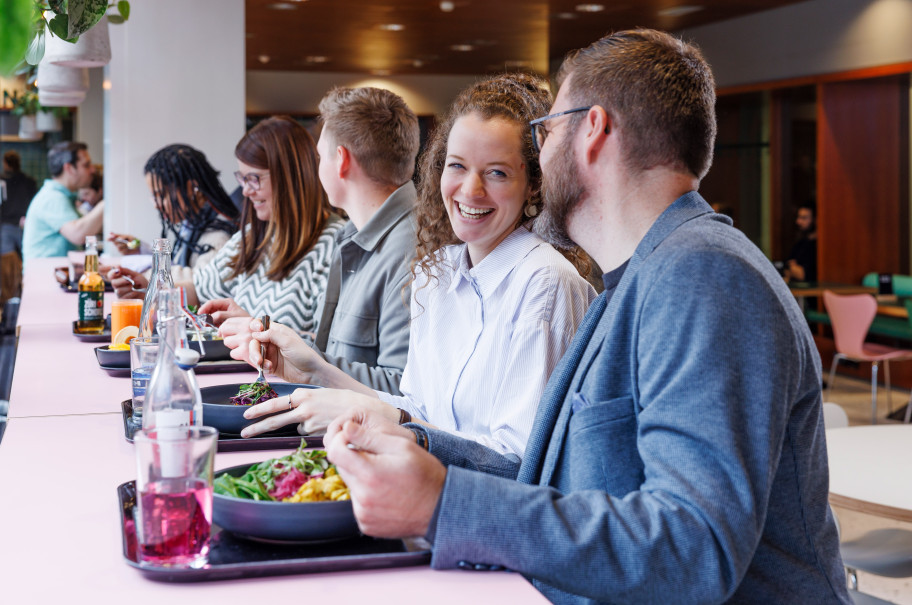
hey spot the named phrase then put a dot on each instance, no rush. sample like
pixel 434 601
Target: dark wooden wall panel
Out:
pixel 863 159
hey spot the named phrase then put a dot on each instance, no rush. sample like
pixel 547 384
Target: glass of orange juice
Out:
pixel 124 312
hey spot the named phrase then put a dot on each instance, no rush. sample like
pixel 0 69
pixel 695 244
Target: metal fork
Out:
pixel 260 378
pixel 132 283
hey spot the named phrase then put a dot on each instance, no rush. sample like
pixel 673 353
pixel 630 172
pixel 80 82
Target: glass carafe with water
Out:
pixel 159 281
pixel 173 397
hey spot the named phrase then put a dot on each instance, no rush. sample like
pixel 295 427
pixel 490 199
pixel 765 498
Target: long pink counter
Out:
pixel 64 454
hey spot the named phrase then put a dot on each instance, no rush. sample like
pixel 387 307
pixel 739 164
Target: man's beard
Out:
pixel 562 191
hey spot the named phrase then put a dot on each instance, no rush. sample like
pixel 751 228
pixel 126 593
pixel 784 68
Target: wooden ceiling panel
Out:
pixel 473 37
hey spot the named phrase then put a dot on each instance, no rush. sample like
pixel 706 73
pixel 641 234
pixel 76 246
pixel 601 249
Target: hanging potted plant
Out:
pixel 81 23
pixel 25 107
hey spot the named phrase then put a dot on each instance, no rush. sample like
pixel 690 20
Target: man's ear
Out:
pixel 343 161
pixel 597 127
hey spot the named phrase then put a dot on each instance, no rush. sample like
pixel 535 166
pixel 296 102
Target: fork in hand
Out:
pixel 260 378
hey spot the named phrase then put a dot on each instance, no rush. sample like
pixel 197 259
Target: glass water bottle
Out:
pixel 159 281
pixel 173 396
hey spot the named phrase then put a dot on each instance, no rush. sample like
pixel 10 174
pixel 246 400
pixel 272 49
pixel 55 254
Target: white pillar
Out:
pixel 177 75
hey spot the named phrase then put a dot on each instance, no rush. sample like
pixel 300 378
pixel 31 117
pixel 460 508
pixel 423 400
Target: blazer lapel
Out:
pixel 555 393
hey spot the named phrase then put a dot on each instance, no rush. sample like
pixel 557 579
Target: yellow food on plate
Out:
pixel 326 488
pixel 125 335
pixel 124 346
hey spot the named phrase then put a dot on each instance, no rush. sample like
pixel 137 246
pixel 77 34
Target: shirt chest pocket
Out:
pixel 353 330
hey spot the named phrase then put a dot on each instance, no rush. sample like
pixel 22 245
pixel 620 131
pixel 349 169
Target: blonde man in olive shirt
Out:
pixel 367 153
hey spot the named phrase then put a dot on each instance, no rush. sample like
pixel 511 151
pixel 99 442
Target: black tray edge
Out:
pixel 203 367
pixel 417 552
pixel 232 443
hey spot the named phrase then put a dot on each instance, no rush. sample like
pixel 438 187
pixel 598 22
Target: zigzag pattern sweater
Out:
pixel 291 301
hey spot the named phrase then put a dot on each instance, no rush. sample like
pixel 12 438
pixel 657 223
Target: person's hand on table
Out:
pixel 122 287
pixel 394 483
pixel 312 410
pixel 221 309
pixel 125 243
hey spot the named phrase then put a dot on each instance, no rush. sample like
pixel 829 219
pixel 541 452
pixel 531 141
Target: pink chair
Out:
pixel 851 316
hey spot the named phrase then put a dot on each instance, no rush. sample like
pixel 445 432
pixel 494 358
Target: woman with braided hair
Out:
pixel 197 215
pixel 493 306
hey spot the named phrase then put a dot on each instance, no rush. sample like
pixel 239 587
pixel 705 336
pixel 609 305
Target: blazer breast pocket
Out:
pixel 601 446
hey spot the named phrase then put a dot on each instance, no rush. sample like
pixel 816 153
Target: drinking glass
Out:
pixel 143 353
pixel 125 312
pixel 174 495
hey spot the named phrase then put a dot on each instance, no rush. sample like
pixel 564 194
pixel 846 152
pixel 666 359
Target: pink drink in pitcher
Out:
pixel 175 521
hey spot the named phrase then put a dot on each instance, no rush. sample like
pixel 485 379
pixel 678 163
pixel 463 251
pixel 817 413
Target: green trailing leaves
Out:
pixel 35 50
pixel 15 32
pixel 83 15
pixel 123 7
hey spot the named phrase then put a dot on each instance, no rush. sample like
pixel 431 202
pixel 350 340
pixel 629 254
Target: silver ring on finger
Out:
pixel 290 406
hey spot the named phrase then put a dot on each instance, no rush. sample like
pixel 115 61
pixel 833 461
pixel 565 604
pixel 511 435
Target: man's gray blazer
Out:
pixel 678 455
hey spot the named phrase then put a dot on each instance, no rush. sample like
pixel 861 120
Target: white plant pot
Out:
pixel 59 78
pixel 93 49
pixel 28 129
pixel 45 121
pixel 60 99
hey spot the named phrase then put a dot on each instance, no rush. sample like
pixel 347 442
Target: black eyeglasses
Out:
pixel 250 180
pixel 540 133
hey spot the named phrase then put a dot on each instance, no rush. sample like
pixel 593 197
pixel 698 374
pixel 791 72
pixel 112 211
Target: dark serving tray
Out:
pixel 230 442
pixel 203 367
pixel 103 337
pixel 231 557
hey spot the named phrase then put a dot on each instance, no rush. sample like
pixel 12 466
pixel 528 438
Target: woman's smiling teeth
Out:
pixel 469 212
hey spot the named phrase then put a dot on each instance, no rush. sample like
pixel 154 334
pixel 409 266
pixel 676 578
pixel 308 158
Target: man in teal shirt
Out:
pixel 52 225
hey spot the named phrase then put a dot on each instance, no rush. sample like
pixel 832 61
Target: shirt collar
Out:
pixel 394 208
pixel 51 183
pixel 494 267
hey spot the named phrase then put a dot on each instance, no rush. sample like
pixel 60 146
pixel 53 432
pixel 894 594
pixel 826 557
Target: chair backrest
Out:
pixel 851 316
pixel 834 416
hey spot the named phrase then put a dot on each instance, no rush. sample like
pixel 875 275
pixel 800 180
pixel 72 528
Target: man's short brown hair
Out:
pixel 377 127
pixel 658 90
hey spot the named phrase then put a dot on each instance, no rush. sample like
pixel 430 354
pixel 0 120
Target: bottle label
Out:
pixel 91 306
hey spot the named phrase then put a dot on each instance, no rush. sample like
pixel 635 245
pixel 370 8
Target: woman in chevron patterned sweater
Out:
pixel 278 263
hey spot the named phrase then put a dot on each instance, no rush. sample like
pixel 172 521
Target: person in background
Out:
pixel 801 264
pixel 678 454
pixel 278 263
pixel 17 189
pixel 53 226
pixel 367 150
pixel 92 194
pixel 493 306
pixel 197 216
pixel 16 192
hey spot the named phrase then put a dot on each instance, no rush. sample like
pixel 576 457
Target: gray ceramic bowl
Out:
pixel 282 521
pixel 218 411
pixel 215 351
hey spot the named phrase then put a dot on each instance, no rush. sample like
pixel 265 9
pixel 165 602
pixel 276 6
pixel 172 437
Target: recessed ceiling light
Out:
pixel 316 59
pixel 590 8
pixel 680 11
pixel 516 64
pixel 566 16
pixel 417 63
pixel 447 6
pixel 392 27
pixel 263 59
pixel 463 48
pixel 380 72
pixel 281 6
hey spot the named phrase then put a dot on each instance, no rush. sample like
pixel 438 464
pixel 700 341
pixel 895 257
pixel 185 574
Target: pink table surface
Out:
pixel 61 536
pixel 43 300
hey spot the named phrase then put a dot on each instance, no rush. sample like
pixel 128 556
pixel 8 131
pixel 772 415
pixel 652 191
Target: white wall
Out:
pixel 813 37
pixel 297 92
pixel 176 76
pixel 89 122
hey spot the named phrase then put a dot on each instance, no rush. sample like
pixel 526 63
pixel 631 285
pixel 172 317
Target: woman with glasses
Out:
pixel 278 263
pixel 197 215
pixel 493 306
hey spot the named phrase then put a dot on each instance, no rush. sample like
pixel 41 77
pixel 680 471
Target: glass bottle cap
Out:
pixel 186 358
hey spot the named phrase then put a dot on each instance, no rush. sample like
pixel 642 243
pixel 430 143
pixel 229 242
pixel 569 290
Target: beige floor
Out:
pixel 855 397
